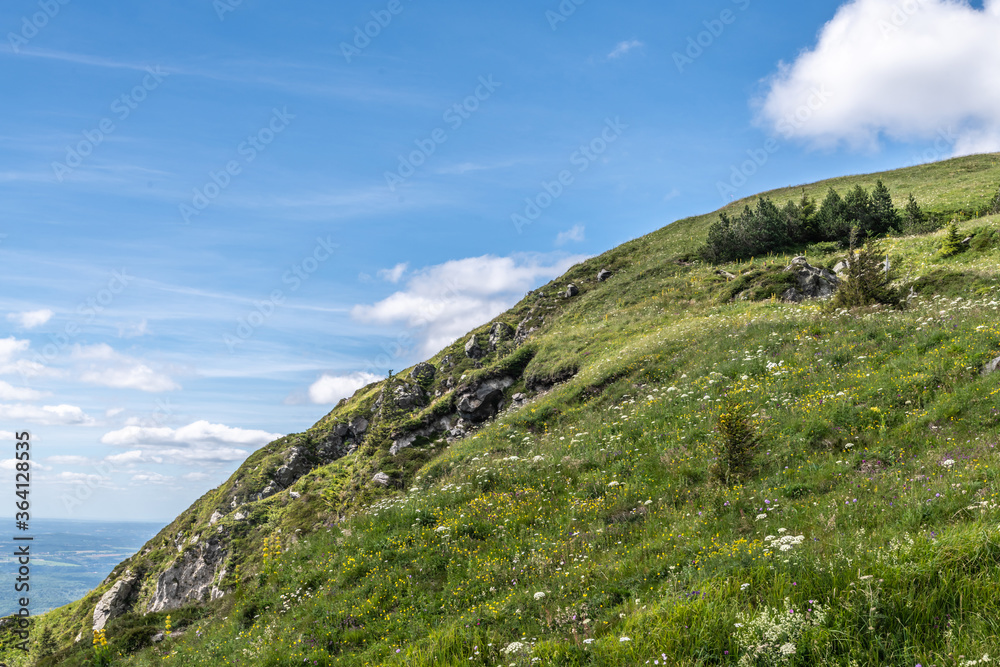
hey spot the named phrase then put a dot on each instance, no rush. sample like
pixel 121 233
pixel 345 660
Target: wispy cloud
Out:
pixel 394 274
pixel 575 235
pixel 108 368
pixel 623 48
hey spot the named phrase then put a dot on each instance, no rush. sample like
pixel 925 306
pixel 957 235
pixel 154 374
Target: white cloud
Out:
pixel 198 434
pixel 67 460
pixel 445 301
pixel 907 71
pixel 134 456
pixel 31 319
pixel 575 235
pixel 196 476
pixel 9 392
pixel 624 47
pixel 108 368
pixel 329 389
pixel 47 415
pixel 11 347
pixel 394 274
pixel 151 478
pixel 11 464
pixel 90 480
pixel 113 412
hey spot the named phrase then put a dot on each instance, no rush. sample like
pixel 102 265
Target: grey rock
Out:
pixel 296 467
pixel 406 440
pixel 158 637
pixel 191 577
pixel 116 601
pixel 967 240
pixel 814 283
pixel 725 274
pixel 409 396
pixel 992 367
pixel 603 275
pixel 447 361
pixel 341 430
pixel 473 350
pixel 359 425
pixel 294 495
pixel 214 518
pixel 792 295
pixel 571 291
pixel 423 372
pixel 840 267
pixel 482 400
pixel 240 516
pixel 381 479
pixel 500 333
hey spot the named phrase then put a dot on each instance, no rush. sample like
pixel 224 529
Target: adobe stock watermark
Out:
pixel 562 13
pixel 88 310
pixel 901 14
pixel 943 147
pixel 364 34
pixel 122 107
pixel 35 23
pixel 263 310
pixel 740 174
pixel 698 44
pixel 455 116
pixel 223 7
pixel 248 150
pixel 582 158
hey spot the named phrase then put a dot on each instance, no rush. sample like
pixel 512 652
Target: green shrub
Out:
pixel 868 279
pixel 738 442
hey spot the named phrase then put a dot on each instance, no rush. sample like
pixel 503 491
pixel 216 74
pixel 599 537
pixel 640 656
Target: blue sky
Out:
pixel 220 217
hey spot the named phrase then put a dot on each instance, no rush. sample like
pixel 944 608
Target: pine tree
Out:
pixel 869 278
pixel 995 204
pixel 952 244
pixel 914 218
pixel 884 216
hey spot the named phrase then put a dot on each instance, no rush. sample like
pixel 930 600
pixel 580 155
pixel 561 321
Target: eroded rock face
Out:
pixel 473 350
pixel 482 400
pixel 192 577
pixel 813 283
pixel 116 601
pixel 406 441
pixel 500 333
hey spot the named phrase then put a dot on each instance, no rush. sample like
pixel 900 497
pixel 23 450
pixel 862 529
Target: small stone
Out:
pixel 214 518
pixel 295 495
pixel 571 291
pixel 473 350
pixel 992 367
pixel 381 479
pixel 604 275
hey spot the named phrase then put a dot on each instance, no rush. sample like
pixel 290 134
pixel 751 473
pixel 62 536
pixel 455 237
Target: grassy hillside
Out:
pixel 588 527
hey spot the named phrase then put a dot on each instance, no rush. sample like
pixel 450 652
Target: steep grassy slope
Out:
pixel 586 527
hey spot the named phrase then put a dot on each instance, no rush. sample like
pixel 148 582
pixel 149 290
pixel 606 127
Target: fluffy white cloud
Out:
pixel 912 69
pixel 11 393
pixel 11 464
pixel 624 47
pixel 31 319
pixel 151 478
pixel 443 302
pixel 329 389
pixel 576 235
pixel 108 368
pixel 47 414
pixel 194 444
pixel 394 274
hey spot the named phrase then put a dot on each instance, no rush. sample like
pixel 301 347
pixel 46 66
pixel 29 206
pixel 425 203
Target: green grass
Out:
pixel 879 448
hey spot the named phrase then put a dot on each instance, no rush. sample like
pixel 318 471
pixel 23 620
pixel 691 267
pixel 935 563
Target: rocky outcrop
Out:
pixel 423 373
pixel 571 291
pixel 482 400
pixel 194 577
pixel 473 350
pixel 116 601
pixel 406 440
pixel 813 283
pixel 500 333
pixel 603 275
